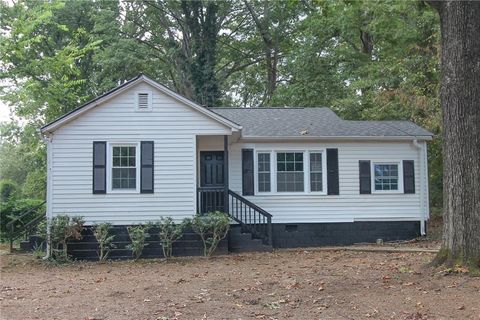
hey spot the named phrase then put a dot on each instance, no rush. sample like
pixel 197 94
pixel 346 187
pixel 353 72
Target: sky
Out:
pixel 4 112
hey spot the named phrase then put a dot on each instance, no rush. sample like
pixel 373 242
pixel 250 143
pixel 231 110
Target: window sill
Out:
pixel 123 192
pixel 291 194
pixel 387 192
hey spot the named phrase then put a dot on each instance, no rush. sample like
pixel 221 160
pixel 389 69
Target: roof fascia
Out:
pixel 338 138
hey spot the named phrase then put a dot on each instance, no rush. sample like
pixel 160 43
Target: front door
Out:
pixel 212 181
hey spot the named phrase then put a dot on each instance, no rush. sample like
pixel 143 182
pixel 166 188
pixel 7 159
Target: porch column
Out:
pixel 225 171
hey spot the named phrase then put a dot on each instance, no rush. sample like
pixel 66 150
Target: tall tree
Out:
pixel 460 101
pixel 202 25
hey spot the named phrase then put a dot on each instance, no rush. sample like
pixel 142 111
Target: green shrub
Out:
pixel 13 208
pixel 138 235
pixel 212 228
pixel 169 232
pixel 8 190
pixel 62 229
pixel 105 240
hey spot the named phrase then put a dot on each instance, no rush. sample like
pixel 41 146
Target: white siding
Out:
pixel 171 125
pixel 179 133
pixel 350 205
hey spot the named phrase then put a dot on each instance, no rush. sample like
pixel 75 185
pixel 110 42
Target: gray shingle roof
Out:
pixel 313 122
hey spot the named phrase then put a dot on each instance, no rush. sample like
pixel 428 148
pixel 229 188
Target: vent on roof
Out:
pixel 144 101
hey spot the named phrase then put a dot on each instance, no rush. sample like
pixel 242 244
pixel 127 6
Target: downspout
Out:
pixel 422 173
pixel 48 140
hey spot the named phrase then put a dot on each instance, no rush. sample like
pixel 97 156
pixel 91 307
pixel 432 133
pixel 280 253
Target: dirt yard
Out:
pixel 298 284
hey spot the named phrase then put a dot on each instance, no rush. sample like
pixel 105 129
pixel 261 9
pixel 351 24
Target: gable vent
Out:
pixel 143 101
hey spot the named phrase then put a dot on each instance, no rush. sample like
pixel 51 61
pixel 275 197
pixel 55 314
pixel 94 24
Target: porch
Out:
pixel 214 194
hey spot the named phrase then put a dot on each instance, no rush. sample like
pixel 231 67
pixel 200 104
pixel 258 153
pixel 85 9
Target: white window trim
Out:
pixel 306 172
pixel 400 177
pixel 110 162
pixel 256 172
pixel 150 101
pixel 324 172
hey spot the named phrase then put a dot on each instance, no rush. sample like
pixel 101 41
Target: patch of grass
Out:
pixel 38 251
pixel 404 269
pixel 272 305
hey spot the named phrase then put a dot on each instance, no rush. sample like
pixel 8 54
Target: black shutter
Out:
pixel 99 167
pixel 332 171
pixel 146 167
pixel 365 177
pixel 247 173
pixel 408 176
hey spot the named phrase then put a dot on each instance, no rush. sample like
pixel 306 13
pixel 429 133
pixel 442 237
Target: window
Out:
pixel 316 172
pixel 263 166
pixel 290 175
pixel 143 101
pixel 124 168
pixel 386 177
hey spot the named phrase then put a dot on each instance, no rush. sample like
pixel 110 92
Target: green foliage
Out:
pixel 169 232
pixel 366 59
pixel 13 208
pixel 35 184
pixel 38 250
pixel 8 190
pixel 138 235
pixel 212 228
pixel 105 240
pixel 63 228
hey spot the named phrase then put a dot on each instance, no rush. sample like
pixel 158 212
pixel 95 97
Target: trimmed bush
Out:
pixel 169 232
pixel 62 229
pixel 105 240
pixel 138 235
pixel 212 228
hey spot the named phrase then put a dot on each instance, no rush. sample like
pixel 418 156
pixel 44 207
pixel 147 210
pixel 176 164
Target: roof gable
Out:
pixel 61 121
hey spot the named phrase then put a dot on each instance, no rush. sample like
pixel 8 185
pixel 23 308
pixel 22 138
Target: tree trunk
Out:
pixel 460 101
pixel 270 44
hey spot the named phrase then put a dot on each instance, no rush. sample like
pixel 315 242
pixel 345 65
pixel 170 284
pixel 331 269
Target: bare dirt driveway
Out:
pixel 297 284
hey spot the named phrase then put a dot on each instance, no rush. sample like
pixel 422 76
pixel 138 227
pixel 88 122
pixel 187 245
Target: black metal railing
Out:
pixel 25 225
pixel 251 217
pixel 210 199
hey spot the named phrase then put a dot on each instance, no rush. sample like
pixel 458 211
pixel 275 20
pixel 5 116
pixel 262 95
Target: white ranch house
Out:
pixel 288 176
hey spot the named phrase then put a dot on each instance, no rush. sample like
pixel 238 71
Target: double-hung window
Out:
pixel 124 167
pixel 263 167
pixel 386 176
pixel 316 171
pixel 290 172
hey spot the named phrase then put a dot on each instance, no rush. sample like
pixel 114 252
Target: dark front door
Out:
pixel 211 193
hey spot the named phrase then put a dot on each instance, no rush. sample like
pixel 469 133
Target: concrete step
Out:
pixel 239 241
